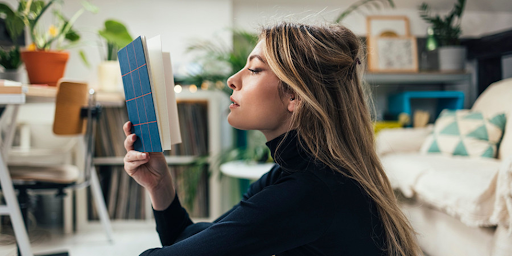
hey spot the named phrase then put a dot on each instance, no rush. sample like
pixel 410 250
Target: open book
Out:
pixel 149 92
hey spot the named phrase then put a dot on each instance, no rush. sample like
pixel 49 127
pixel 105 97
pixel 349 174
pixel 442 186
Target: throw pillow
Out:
pixel 465 133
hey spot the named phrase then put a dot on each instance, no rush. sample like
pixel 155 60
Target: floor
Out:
pixel 130 238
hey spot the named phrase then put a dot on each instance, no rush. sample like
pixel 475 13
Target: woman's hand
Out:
pixel 149 170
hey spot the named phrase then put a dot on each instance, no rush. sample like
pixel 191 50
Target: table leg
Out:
pixel 13 210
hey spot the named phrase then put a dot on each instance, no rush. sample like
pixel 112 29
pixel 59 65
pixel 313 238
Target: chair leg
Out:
pixel 100 204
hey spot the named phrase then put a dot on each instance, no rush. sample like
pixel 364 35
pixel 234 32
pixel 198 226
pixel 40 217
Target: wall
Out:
pixel 178 22
pixel 252 14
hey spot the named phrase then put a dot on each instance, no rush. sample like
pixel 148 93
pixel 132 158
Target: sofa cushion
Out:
pixel 465 188
pixel 496 99
pixel 465 133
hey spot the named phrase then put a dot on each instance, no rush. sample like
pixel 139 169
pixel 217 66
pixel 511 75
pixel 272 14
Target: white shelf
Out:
pixel 416 78
pixel 119 160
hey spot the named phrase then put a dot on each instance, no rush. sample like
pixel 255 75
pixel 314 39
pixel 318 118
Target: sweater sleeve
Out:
pixel 171 222
pixel 293 212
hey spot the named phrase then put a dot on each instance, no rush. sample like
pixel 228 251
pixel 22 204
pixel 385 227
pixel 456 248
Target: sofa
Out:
pixel 458 205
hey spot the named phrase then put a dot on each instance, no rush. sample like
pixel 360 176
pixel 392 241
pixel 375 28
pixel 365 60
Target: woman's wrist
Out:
pixel 163 194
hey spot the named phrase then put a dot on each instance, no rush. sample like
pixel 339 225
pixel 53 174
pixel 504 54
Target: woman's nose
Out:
pixel 233 82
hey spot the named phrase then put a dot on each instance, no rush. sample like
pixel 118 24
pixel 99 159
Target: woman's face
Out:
pixel 257 104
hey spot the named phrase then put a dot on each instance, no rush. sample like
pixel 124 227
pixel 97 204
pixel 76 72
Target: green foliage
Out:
pixel 369 4
pixel 10 59
pixel 31 11
pixel 219 61
pixel 117 37
pixel 446 30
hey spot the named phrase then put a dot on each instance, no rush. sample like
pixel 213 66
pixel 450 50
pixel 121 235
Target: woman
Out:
pixel 327 194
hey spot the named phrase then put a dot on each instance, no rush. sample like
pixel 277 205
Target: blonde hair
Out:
pixel 321 66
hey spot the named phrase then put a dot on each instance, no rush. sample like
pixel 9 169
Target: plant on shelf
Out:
pixel 114 36
pixel 10 58
pixel 369 4
pixel 48 45
pixel 446 29
pixel 447 32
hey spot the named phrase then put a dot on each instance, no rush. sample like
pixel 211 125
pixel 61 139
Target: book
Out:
pixel 149 93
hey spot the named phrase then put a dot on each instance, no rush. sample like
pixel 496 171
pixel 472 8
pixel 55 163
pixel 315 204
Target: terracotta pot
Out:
pixel 45 67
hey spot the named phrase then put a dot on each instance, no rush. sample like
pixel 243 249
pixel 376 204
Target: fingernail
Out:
pixel 142 155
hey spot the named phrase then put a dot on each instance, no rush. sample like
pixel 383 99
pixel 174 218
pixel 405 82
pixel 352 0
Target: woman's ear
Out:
pixel 292 103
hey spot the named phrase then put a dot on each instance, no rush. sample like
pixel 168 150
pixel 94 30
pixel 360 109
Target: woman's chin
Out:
pixel 235 122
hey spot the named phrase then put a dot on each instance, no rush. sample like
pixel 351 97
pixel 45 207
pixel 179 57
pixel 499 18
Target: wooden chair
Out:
pixel 76 114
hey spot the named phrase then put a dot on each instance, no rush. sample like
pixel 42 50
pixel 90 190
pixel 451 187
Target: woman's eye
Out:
pixel 254 71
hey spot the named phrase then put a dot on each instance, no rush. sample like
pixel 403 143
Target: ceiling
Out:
pixel 471 5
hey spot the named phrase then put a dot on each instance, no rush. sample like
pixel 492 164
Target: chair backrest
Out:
pixel 75 114
pixel 71 97
pixel 494 100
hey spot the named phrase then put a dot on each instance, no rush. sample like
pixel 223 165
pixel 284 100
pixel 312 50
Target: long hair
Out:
pixel 322 66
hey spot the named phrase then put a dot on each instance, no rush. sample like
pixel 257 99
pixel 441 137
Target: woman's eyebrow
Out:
pixel 258 57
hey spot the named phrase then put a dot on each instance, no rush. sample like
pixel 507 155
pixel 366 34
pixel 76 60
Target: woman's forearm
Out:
pixel 163 194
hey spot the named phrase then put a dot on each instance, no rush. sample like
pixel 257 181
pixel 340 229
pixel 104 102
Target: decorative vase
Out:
pixel 13 75
pixel 45 67
pixel 452 58
pixel 109 76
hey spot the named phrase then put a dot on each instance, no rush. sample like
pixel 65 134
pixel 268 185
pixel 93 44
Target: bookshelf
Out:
pixel 213 105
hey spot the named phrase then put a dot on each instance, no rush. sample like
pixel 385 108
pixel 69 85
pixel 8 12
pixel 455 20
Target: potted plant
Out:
pixel 447 31
pixel 116 37
pixel 45 58
pixel 10 58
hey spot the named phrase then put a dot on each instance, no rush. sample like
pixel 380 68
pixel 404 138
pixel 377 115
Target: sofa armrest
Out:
pixel 401 140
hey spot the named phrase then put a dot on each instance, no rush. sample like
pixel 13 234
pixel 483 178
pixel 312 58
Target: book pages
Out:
pixel 172 108
pixel 158 87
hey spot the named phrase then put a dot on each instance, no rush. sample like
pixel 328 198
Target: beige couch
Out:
pixel 458 205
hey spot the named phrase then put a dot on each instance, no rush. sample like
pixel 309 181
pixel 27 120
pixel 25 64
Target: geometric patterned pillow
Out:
pixel 465 133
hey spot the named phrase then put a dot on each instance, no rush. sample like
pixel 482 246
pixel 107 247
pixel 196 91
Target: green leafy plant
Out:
pixel 10 57
pixel 58 34
pixel 446 30
pixel 116 36
pixel 369 4
pixel 219 61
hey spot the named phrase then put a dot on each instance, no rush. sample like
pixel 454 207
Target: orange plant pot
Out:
pixel 45 67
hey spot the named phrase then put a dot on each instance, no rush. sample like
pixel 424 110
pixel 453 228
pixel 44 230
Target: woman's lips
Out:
pixel 234 104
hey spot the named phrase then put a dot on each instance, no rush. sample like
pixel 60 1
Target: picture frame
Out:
pixel 390 47
pixel 378 26
pixel 393 54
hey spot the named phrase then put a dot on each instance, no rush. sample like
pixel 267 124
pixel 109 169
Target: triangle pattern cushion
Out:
pixel 465 133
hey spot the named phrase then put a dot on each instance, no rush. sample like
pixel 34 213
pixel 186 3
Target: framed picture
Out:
pixel 387 26
pixel 390 47
pixel 393 54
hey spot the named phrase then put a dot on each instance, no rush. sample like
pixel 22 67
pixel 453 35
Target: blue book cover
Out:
pixel 138 94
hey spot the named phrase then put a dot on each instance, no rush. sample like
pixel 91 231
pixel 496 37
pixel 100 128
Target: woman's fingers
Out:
pixel 133 155
pixel 133 159
pixel 128 142
pixel 127 128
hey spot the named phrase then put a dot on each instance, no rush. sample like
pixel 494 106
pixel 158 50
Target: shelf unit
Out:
pixel 219 138
pixel 383 84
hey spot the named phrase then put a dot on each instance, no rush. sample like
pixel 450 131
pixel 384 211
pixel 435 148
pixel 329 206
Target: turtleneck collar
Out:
pixel 287 152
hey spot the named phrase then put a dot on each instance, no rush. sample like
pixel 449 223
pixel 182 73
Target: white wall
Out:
pixel 252 14
pixel 181 21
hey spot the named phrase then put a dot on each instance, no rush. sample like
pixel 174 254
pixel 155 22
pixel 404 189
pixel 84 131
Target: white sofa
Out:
pixel 457 205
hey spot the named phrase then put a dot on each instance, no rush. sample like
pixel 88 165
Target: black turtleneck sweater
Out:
pixel 300 207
